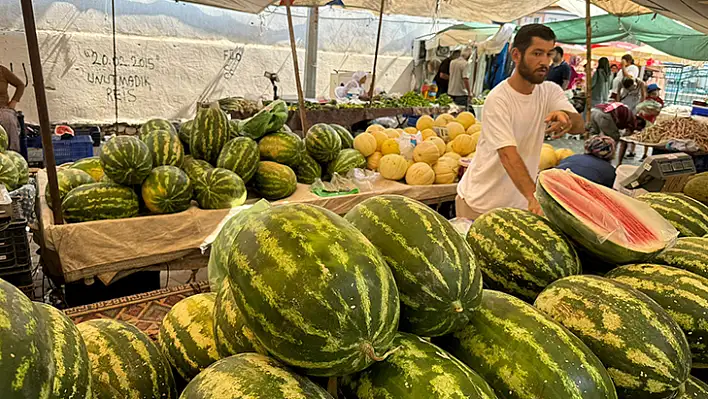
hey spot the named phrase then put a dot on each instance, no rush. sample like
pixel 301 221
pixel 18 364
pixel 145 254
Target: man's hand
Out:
pixel 534 206
pixel 12 104
pixel 558 124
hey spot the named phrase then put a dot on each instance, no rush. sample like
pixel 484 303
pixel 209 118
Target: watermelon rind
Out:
pixel 99 201
pixel 165 148
pixel 126 160
pixel 220 189
pixel 9 174
pixel 643 348
pixel 185 131
pixel 209 133
pixel 156 124
pixel 67 180
pixel 167 189
pixel 4 141
pixel 695 389
pixel 687 215
pixel 345 161
pixel 21 166
pixel 689 253
pixel 344 135
pixel 274 181
pixel 92 166
pixel 282 147
pixel 308 170
pixel 232 336
pixel 437 277
pixel 196 169
pixel 322 142
pixel 240 155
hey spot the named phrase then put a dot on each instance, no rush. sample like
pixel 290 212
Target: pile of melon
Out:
pixel 435 158
pixel 551 157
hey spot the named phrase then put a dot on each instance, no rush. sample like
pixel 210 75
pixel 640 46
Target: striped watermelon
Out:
pixel 67 179
pixel 251 376
pixel 418 369
pixel 125 363
pixel 282 147
pixel 520 253
pixel 682 294
pixel 21 166
pixel 220 188
pixel 609 225
pixel 167 189
pixel 240 155
pixel 642 347
pixel 322 142
pixel 185 132
pixel 345 161
pixel 98 201
pixel 232 336
pixel 344 135
pixel 313 289
pixel 196 169
pixel 274 181
pixel 690 253
pixel 156 124
pixel 209 133
pixel 9 175
pixel 187 335
pixel 523 354
pixel 695 389
pixel 438 279
pixel 25 350
pixel 233 128
pixel 126 160
pixel 92 166
pixel 688 216
pixel 72 369
pixel 165 148
pixel 308 170
pixel 3 139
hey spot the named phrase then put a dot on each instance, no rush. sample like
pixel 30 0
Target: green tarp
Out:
pixel 655 30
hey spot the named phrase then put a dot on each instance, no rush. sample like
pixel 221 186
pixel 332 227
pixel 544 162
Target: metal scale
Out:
pixel 662 173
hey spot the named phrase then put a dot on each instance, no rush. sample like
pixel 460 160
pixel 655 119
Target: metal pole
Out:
pixel 588 64
pixel 313 17
pixel 293 48
pixel 41 96
pixel 376 54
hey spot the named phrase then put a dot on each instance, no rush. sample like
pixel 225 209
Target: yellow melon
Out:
pixel 411 130
pixel 455 129
pixel 393 167
pixel 548 159
pixel 443 120
pixel 374 128
pixel 392 133
pixel 463 144
pixel 390 146
pixel 424 122
pixel 546 145
pixel 365 143
pixel 452 155
pixel 475 140
pixel 420 174
pixel 448 147
pixel 563 153
pixel 428 133
pixel 426 152
pixel 466 119
pixel 445 170
pixel 380 137
pixel 438 142
pixel 373 160
pixel 474 128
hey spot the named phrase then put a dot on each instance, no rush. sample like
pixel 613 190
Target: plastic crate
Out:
pixel 21 279
pixel 72 149
pixel 34 142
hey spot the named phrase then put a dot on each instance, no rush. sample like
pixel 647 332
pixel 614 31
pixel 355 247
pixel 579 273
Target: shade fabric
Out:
pixel 658 31
pixel 693 13
pixel 462 34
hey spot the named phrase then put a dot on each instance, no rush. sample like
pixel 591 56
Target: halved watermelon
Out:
pixel 610 225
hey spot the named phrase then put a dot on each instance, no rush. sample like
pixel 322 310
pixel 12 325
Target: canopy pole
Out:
pixel 311 53
pixel 588 64
pixel 42 110
pixel 376 54
pixel 293 48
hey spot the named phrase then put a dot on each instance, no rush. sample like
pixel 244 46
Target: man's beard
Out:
pixel 529 75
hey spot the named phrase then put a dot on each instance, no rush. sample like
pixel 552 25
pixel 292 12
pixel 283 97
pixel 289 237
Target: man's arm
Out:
pixel 444 76
pixel 17 83
pixel 516 169
pixel 466 82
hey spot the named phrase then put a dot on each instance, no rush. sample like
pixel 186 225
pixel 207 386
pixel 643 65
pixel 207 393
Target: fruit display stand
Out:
pixel 108 249
pixel 348 117
pixel 700 158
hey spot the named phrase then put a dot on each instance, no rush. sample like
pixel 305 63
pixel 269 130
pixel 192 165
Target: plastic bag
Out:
pixel 386 121
pixel 682 145
pixel 462 225
pixel 407 143
pixel 337 186
pixel 24 196
pixel 363 178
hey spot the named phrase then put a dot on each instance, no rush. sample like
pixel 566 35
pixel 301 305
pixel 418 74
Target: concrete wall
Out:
pixel 173 54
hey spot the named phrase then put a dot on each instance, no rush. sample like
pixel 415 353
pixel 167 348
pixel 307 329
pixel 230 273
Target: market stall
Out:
pixel 349 116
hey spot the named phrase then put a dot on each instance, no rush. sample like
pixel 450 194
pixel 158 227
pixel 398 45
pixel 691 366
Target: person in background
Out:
pixel 628 70
pixel 442 79
pixel 614 69
pixel 355 86
pixel 631 95
pixel 8 106
pixel 653 91
pixel 601 81
pixel 608 119
pixel 459 88
pixel 560 70
pixel 595 165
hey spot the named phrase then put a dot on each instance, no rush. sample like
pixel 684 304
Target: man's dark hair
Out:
pixel 627 83
pixel 526 33
pixel 456 54
pixel 628 58
pixel 559 50
pixel 640 123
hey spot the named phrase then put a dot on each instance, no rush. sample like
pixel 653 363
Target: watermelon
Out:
pixel 165 148
pixel 345 161
pixel 256 126
pixel 278 115
pixel 308 170
pixel 72 369
pixel 251 376
pixel 4 141
pixel 523 354
pixel 209 133
pixel 695 389
pixel 185 132
pixel 642 347
pixel 344 135
pixel 240 155
pixel 682 294
pixel 68 180
pixel 126 160
pixel 323 143
pixel 688 216
pixel 92 166
pixel 9 174
pixel 187 335
pixel 233 128
pixel 520 253
pixel 609 225
pixel 156 124
pixel 98 201
pixel 314 291
pixel 689 253
pixel 196 169
pixel 282 147
pixel 26 366
pixel 274 181
pixel 231 335
pixel 418 369
pixel 21 166
pixel 167 189
pixel 125 363
pixel 438 279
pixel 219 189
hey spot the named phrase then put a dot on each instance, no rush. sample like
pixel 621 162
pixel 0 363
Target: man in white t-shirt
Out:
pixel 628 70
pixel 517 114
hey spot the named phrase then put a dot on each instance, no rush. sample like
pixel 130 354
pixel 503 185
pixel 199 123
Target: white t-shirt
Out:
pixel 510 119
pixel 632 70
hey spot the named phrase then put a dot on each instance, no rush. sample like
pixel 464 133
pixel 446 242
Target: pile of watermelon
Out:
pixel 14 171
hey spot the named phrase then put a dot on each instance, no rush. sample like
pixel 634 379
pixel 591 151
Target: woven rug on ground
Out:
pixel 145 311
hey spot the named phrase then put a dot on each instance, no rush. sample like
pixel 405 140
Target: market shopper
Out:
pixel 8 105
pixel 517 113
pixel 595 165
pixel 628 70
pixel 601 80
pixel 442 79
pixel 560 70
pixel 459 88
pixel 355 86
